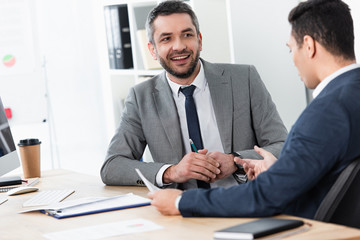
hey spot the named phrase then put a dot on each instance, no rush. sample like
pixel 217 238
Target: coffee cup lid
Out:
pixel 28 142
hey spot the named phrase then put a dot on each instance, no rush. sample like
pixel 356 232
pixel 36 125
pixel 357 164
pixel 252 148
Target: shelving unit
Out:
pixel 116 82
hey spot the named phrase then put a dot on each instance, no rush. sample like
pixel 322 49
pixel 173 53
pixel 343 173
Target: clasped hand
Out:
pixel 193 166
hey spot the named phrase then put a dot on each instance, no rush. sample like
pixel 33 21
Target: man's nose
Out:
pixel 179 45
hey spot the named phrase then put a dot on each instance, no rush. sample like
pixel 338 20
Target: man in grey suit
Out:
pixel 234 112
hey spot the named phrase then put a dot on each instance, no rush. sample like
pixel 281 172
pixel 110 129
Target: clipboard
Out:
pixel 85 206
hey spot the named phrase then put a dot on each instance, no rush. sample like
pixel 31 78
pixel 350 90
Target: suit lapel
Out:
pixel 169 118
pixel 221 95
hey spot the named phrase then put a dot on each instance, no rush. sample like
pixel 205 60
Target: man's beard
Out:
pixel 187 74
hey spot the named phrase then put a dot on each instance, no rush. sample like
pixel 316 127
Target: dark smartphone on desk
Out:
pixel 8 181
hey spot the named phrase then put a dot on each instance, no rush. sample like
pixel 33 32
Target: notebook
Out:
pixel 257 228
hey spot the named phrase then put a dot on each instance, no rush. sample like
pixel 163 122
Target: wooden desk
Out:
pixel 33 225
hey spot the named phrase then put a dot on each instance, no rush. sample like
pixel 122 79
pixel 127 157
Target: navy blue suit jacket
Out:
pixel 322 142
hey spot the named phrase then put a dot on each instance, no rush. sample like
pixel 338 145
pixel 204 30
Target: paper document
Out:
pixel 3 199
pixel 105 230
pixel 148 184
pixel 91 205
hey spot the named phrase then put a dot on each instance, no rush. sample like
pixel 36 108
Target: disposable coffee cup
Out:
pixel 30 157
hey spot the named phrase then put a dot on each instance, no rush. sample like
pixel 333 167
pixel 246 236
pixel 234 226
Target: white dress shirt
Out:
pixel 207 120
pixel 331 77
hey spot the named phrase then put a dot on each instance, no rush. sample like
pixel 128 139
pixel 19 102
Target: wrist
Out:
pixel 177 201
pixel 167 175
pixel 237 167
pixel 239 174
pixel 235 154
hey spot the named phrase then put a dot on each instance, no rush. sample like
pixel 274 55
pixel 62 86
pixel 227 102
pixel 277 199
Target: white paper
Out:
pixel 105 230
pixel 3 199
pixel 84 205
pixel 148 184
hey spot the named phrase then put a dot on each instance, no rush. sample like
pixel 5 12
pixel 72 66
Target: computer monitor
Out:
pixel 9 159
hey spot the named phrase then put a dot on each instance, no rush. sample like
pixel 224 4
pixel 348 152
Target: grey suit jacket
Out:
pixel 245 114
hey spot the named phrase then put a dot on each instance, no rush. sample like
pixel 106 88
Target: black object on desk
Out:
pixel 257 228
pixel 8 181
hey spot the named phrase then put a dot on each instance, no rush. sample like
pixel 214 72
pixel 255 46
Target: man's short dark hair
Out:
pixel 167 8
pixel 328 22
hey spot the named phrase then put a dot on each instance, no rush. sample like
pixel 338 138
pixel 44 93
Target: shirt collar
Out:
pixel 199 81
pixel 331 77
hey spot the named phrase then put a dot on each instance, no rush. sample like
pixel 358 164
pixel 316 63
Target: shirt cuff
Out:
pixel 159 175
pixel 177 201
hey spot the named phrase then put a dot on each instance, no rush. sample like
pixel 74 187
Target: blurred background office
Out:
pixel 56 81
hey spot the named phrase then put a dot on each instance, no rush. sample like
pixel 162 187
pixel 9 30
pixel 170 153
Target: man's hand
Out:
pixel 193 166
pixel 164 201
pixel 254 167
pixel 226 161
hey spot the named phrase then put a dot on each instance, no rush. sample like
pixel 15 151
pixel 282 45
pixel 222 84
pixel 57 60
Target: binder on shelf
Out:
pixel 149 62
pixel 118 37
pixel 109 37
pixel 125 36
pixel 119 58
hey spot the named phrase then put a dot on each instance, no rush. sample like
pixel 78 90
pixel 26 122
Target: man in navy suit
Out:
pixel 323 141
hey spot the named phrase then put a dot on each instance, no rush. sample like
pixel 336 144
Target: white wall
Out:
pixel 260 32
pixel 68 41
pixel 64 35
pixel 22 88
pixel 355 12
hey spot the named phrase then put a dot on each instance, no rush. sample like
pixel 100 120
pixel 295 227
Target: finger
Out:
pixel 207 159
pixel 207 162
pixel 244 162
pixel 213 180
pixel 203 151
pixel 202 177
pixel 250 173
pixel 246 167
pixel 251 176
pixel 207 167
pixel 150 195
pixel 239 160
pixel 262 152
pixel 198 170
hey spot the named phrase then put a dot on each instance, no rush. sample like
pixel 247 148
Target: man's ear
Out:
pixel 200 41
pixel 152 50
pixel 310 46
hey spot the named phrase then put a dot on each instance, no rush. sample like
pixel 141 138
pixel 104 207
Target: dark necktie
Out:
pixel 193 124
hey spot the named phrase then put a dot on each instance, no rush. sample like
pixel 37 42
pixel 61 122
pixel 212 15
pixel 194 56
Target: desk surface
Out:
pixel 33 225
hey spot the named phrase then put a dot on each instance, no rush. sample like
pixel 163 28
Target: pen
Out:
pixel 193 145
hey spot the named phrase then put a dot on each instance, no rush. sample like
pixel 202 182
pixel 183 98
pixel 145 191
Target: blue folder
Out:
pixel 94 205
